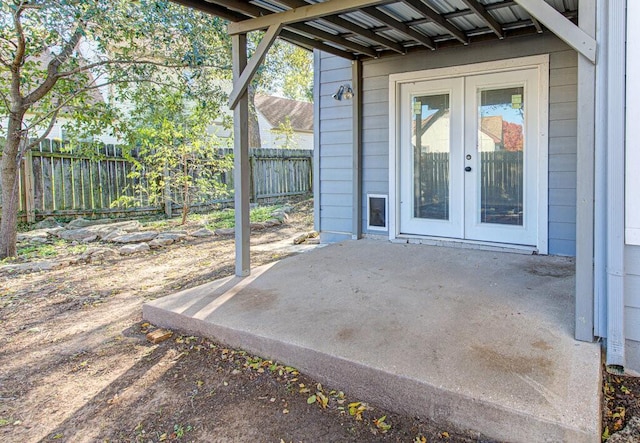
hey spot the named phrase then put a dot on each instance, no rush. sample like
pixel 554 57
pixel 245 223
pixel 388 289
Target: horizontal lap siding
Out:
pixel 632 292
pixel 563 95
pixel 335 121
pixel 335 145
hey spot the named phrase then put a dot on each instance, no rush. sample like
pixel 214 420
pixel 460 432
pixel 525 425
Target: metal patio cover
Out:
pixel 370 29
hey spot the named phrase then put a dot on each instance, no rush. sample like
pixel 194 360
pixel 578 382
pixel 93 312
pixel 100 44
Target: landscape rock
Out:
pixel 101 231
pixel 257 226
pixel 300 239
pixel 76 234
pixel 92 255
pixel 31 235
pixel 136 237
pixel 225 231
pixel 159 242
pixel 55 231
pixel 173 236
pixel 279 215
pixel 133 248
pixel 311 237
pixel 272 222
pixel 47 223
pixel 90 239
pixel 46 265
pixel 630 433
pixel 84 223
pixel 113 234
pixel 204 232
pixel 39 240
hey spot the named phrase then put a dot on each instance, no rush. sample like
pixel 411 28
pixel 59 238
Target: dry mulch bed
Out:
pixel 621 402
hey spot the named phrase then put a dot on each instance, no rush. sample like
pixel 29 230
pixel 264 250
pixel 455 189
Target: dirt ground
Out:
pixel 75 365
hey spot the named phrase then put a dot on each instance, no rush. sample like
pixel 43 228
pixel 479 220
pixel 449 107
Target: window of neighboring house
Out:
pixel 632 161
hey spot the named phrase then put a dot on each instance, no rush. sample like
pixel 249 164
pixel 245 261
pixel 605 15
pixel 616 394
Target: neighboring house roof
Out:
pixel 492 126
pixel 45 57
pixel 276 110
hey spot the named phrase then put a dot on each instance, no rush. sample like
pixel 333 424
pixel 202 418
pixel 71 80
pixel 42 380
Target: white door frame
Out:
pixel 539 62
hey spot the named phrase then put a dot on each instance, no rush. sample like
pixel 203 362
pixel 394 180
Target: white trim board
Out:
pixel 539 62
pixel 632 163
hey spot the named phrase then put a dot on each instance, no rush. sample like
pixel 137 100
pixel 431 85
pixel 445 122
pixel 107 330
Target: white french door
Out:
pixel 469 151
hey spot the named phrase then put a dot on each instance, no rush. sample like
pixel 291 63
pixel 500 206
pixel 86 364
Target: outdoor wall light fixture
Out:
pixel 344 92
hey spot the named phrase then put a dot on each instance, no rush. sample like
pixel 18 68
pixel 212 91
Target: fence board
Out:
pixel 67 183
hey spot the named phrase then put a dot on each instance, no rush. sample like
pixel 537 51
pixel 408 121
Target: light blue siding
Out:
pixel 336 136
pixel 335 146
pixel 632 292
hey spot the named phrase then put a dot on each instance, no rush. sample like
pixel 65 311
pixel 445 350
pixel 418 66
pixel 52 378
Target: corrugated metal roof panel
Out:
pixel 430 29
pixel 401 11
pixel 507 13
pixel 445 6
pixel 468 22
pixel 362 19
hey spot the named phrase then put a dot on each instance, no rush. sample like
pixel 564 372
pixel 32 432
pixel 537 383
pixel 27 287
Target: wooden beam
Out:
pixel 304 13
pixel 366 33
pixel 240 83
pixel 437 19
pixel 351 27
pixel 212 9
pixel 356 164
pixel 481 12
pixel 241 159
pixel 561 26
pixel 300 28
pixel 328 37
pixel 399 26
pixel 314 44
pixel 537 24
pixel 585 184
pixel 489 7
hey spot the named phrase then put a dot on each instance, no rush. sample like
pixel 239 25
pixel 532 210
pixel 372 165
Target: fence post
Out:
pixel 167 192
pixel 28 188
pixel 252 180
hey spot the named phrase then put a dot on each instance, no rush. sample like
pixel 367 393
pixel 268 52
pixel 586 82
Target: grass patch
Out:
pixel 226 217
pixel 34 251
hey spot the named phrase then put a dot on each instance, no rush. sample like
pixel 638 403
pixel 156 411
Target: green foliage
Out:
pixel 287 70
pixel 169 143
pixel 33 251
pixel 226 218
pixel 102 48
pixel 286 134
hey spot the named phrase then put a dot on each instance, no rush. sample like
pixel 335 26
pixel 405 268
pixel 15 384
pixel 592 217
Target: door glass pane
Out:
pixel 501 147
pixel 431 147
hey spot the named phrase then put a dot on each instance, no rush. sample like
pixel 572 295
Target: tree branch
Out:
pixel 5 99
pixel 21 45
pixel 54 66
pixel 68 99
pixel 44 135
pixel 129 62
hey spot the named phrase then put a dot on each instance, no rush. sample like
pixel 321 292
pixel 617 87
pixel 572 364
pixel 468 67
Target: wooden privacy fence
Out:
pixel 501 176
pixel 56 181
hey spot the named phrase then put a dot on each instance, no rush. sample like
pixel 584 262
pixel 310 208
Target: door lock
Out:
pixel 468 169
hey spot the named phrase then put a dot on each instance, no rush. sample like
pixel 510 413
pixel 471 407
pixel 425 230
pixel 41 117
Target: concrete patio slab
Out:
pixel 481 340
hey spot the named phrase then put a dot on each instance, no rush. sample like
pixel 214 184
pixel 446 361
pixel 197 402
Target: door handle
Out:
pixel 468 169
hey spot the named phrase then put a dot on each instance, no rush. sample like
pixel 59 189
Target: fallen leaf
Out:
pixel 322 399
pixel 380 424
pixel 311 400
